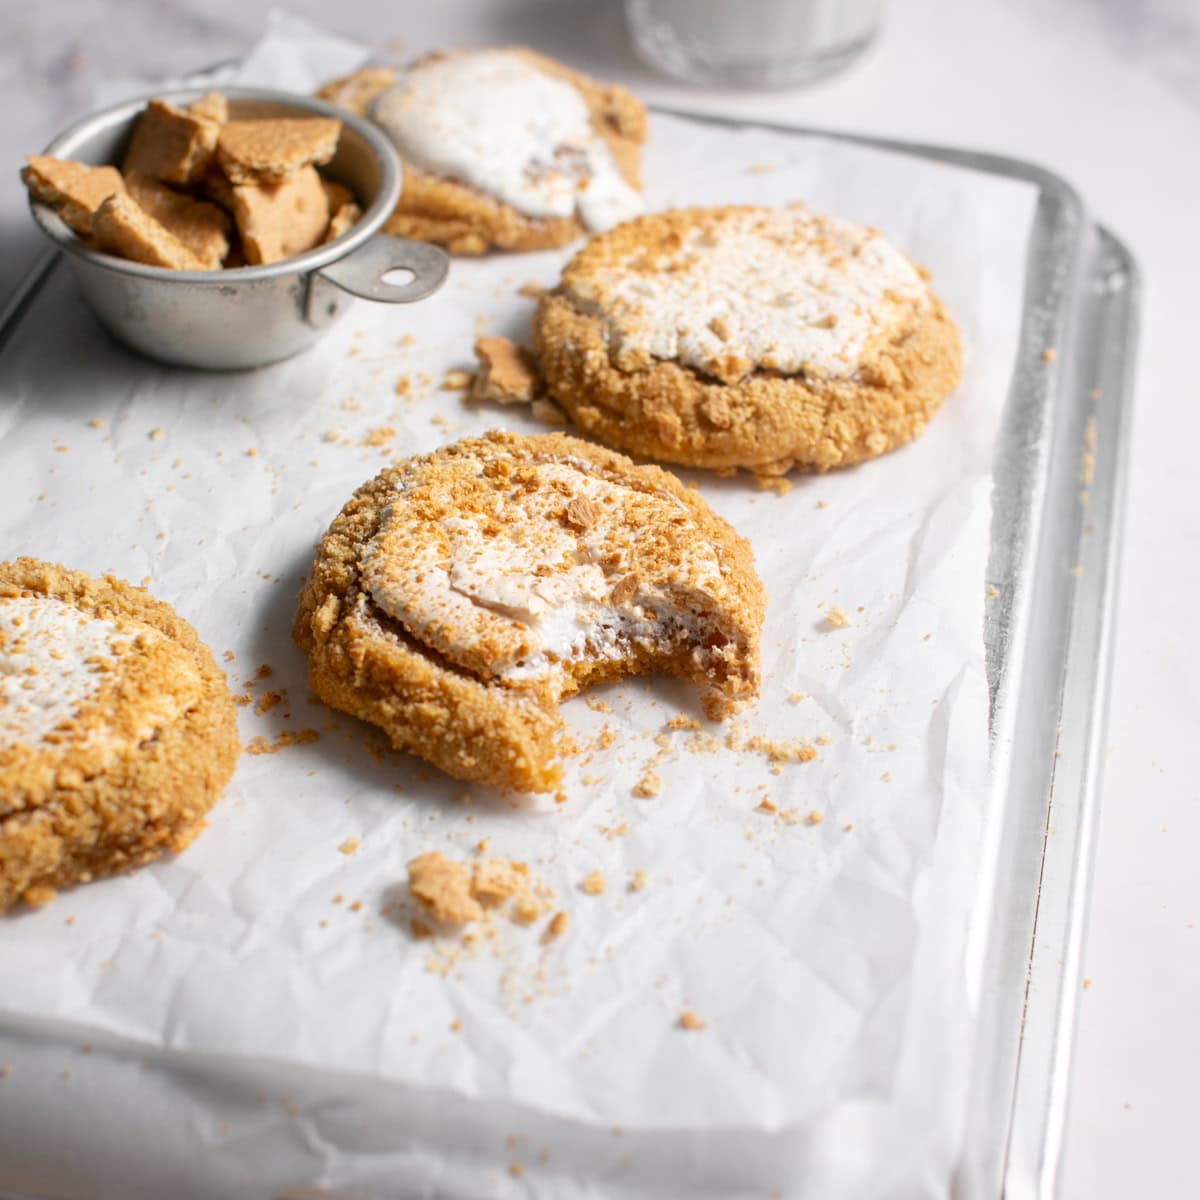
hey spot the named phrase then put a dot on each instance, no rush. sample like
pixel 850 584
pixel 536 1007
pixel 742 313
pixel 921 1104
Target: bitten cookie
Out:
pixel 460 595
pixel 747 337
pixel 117 730
pixel 507 149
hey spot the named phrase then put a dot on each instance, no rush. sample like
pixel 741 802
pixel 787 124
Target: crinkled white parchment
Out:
pixel 218 1025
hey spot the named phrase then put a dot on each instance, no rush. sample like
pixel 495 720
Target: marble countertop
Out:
pixel 1106 93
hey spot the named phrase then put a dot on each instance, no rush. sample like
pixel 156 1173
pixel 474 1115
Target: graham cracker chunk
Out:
pixel 73 190
pixel 203 228
pixel 336 194
pixel 281 220
pixel 356 92
pixel 171 143
pixel 121 227
pixel 506 372
pixel 343 221
pixel 267 151
pixel 213 106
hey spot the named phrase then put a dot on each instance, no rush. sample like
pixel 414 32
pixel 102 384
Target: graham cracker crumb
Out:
pixel 594 884
pixel 649 786
pixel 639 881
pixel 506 372
pixel 558 925
pixel 443 887
pixel 457 381
pixel 766 805
pixel 349 846
pixel 1049 354
pixel 779 484
pixel 816 817
pixel 689 1020
pixel 680 722
pixel 837 617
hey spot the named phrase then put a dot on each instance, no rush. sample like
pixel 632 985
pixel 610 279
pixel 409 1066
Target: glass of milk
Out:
pixel 751 43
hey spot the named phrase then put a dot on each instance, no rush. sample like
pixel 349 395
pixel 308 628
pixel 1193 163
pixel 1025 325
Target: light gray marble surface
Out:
pixel 1106 92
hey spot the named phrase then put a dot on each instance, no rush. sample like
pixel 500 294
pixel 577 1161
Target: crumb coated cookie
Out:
pixel 506 149
pixel 747 337
pixel 117 730
pixel 460 595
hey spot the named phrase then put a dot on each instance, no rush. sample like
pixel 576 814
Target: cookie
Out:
pixel 507 149
pixel 747 337
pixel 461 595
pixel 356 92
pixel 117 731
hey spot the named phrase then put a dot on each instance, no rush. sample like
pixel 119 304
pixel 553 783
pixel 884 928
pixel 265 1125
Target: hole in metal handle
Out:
pixel 398 276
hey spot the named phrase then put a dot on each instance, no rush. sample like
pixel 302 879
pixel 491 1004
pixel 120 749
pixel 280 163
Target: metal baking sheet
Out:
pixel 1053 566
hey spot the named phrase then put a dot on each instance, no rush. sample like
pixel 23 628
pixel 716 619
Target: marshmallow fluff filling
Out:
pixel 548 566
pixel 749 289
pixel 493 120
pixel 54 662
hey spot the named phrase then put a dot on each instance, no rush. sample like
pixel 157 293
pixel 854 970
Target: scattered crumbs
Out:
pixel 5 1070
pixel 404 386
pixel 451 892
pixel 837 617
pixel 815 817
pixel 381 435
pixel 795 697
pixel 761 168
pixel 406 341
pixel 639 880
pixel 357 906
pixel 456 1026
pixel 596 704
pixel 70 921
pixel 1087 983
pixel 1097 393
pixel 594 883
pixel 229 656
pixel 606 738
pixel 331 435
pixel 351 405
pixel 766 805
pixel 822 739
pixel 265 671
pixel 483 846
pixel 261 745
pixel 992 591
pixel 649 786
pixel 560 797
pixel 779 484
pixel 516 1170
pixel 156 434
pixel 680 722
pixel 822 503
pixel 457 381
pixel 268 701
pixel 96 423
pixel 338 898
pixel 689 1020
pixel 349 846
pixel 532 290
pixel 1049 354
pixel 252 453
pixel 886 777
pixel 847 828
pixel 612 832
pixel 1077 570
pixel 557 925
pixel 507 372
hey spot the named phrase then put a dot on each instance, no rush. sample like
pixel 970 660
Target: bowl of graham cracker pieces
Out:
pixel 227 230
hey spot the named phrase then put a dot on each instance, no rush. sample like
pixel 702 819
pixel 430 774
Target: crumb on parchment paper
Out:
pixel 689 1020
pixel 594 883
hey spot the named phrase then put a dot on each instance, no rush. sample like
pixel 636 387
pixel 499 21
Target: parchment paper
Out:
pixel 218 1025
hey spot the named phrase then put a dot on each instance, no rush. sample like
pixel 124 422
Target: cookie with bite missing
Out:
pixel 117 730
pixel 506 149
pixel 747 337
pixel 460 596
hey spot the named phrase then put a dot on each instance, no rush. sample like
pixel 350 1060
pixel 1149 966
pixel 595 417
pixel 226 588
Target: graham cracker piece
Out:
pixel 506 372
pixel 266 151
pixel 73 190
pixel 342 221
pixel 121 227
pixel 213 106
pixel 203 228
pixel 281 220
pixel 336 195
pixel 357 92
pixel 171 144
